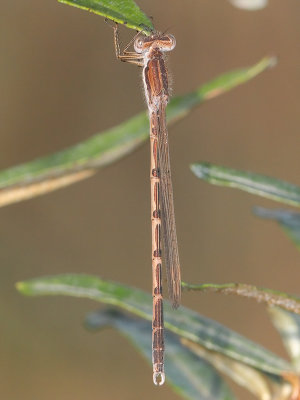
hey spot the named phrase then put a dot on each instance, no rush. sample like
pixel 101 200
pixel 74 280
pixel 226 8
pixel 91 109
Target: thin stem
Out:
pixel 261 295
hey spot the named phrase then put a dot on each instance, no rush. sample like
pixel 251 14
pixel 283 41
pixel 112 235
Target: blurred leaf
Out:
pixel 45 174
pixel 261 385
pixel 122 11
pixel 249 4
pixel 184 322
pixel 288 220
pixel 260 185
pixel 288 326
pixel 262 295
pixel 188 374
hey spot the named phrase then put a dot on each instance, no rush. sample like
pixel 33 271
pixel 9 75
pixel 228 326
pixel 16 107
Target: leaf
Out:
pixel 249 4
pixel 261 295
pixel 122 11
pixel 45 174
pixel 288 220
pixel 288 326
pixel 260 185
pixel 188 374
pixel 261 385
pixel 184 322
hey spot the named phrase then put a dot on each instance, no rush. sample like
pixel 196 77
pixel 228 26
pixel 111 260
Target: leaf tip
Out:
pixel 194 169
pixel 200 169
pixel 273 61
pixel 21 287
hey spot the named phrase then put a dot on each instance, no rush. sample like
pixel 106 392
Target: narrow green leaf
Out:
pixel 44 175
pixel 122 11
pixel 188 374
pixel 180 106
pixel 288 326
pixel 184 322
pixel 288 220
pixel 262 295
pixel 260 185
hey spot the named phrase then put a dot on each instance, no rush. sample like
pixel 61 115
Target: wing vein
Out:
pixel 170 244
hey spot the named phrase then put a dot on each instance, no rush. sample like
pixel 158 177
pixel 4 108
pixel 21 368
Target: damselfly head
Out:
pixel 165 42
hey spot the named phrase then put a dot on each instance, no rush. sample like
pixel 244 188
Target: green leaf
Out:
pixel 261 295
pixel 188 374
pixel 260 185
pixel 184 322
pixel 80 161
pixel 122 11
pixel 288 326
pixel 288 220
pixel 262 385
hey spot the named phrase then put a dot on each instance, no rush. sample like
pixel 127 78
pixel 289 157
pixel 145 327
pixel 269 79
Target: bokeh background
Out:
pixel 60 83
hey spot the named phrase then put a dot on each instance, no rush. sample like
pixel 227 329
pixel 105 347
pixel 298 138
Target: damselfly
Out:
pixel 149 54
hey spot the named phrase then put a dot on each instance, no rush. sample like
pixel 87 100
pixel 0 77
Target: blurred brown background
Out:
pixel 59 84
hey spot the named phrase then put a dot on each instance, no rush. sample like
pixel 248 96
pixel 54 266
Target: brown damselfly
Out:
pixel 149 54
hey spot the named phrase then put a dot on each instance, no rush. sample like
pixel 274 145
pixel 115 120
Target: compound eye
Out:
pixel 172 41
pixel 138 45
